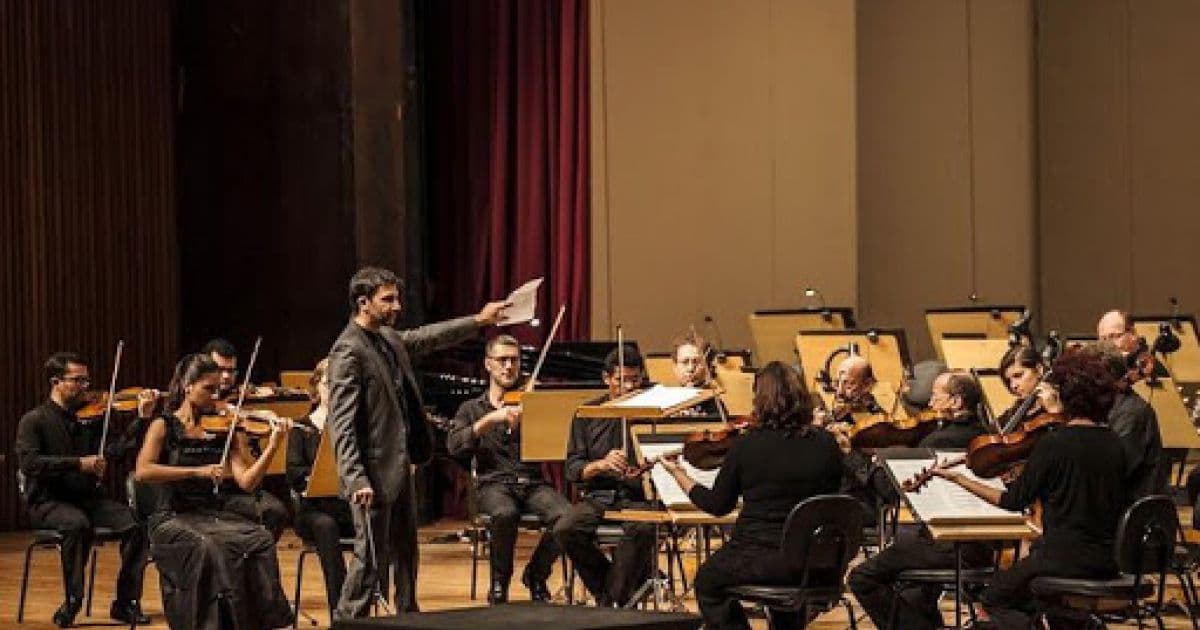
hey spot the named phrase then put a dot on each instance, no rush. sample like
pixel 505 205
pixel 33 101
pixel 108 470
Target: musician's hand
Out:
pixel 93 464
pixel 363 497
pixel 512 417
pixel 147 400
pixel 821 417
pixel 214 472
pixel 490 313
pixel 280 428
pixel 615 462
pixel 670 463
pixel 946 470
pixel 1049 398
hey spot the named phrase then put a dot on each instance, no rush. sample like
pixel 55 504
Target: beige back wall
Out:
pixel 723 161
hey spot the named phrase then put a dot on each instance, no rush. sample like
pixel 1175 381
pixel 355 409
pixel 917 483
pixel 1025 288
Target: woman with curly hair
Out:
pixel 776 465
pixel 1078 474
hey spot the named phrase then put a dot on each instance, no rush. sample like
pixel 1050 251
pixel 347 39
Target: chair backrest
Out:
pixel 1146 536
pixel 821 535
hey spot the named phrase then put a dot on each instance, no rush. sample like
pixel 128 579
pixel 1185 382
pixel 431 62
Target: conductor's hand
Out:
pixel 490 313
pixel 93 464
pixel 363 497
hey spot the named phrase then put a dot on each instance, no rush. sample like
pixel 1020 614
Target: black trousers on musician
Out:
pixel 1008 600
pixel 609 581
pixel 503 503
pixel 74 521
pixel 873 581
pixel 324 522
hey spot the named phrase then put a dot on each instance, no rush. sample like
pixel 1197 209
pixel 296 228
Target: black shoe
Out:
pixel 128 611
pixel 498 593
pixel 64 617
pixel 537 589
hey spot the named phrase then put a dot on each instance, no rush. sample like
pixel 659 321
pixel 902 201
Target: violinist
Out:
pixel 323 520
pixel 1077 472
pixel 491 432
pixel 689 361
pixel 216 565
pixel 955 397
pixel 57 455
pixel 778 463
pixel 1136 424
pixel 598 465
pixel 852 392
pixel 1021 368
pixel 268 502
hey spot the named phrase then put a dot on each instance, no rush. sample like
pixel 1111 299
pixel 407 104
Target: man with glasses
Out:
pixel 490 432
pixel 62 468
pixel 600 466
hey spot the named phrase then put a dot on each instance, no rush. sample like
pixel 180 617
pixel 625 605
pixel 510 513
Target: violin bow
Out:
pixel 112 392
pixel 237 409
pixel 621 385
pixel 537 367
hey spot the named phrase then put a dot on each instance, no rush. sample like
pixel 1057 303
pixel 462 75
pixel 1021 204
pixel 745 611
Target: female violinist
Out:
pixel 779 462
pixel 218 568
pixel 1021 368
pixel 1078 474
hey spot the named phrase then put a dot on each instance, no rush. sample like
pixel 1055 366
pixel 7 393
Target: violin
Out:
pixel 884 431
pixel 923 477
pixel 253 422
pixel 704 450
pixel 992 455
pixel 125 400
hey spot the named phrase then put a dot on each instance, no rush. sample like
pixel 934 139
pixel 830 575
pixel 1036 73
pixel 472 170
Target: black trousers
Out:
pixel 872 582
pixel 324 522
pixel 75 522
pixel 737 563
pixel 1008 600
pixel 609 581
pixel 503 503
pixel 394 529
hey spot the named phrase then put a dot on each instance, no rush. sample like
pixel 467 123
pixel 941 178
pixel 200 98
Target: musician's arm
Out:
pixel 723 496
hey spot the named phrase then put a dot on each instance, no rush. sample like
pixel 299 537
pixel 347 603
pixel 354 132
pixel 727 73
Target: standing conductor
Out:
pixel 380 431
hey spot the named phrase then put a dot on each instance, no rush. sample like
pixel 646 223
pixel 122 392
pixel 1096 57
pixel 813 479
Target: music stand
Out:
pixel 1183 364
pixel 546 421
pixel 991 322
pixel 995 393
pixel 962 353
pixel 323 480
pixel 774 331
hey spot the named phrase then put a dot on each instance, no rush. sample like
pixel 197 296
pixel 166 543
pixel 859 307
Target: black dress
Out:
pixel 217 568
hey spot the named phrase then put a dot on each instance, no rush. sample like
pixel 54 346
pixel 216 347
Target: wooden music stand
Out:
pixel 619 408
pixel 885 348
pixel 774 331
pixel 977 354
pixel 295 378
pixel 1183 364
pixel 660 368
pixel 1174 422
pixel 739 390
pixel 323 481
pixel 995 393
pixel 546 421
pixel 991 322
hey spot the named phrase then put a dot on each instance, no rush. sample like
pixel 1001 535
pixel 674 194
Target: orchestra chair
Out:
pixel 52 539
pixel 308 547
pixel 1144 547
pixel 820 537
pixel 973 579
pixel 1185 563
pixel 480 543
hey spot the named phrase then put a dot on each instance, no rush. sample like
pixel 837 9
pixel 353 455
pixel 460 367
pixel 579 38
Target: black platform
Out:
pixel 528 616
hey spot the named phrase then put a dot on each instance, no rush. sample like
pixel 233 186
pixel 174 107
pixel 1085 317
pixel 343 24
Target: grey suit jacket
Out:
pixel 373 443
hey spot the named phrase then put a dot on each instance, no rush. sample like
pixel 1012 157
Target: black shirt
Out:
pixel 771 471
pixel 592 439
pixel 497 452
pixel 50 441
pixel 1078 473
pixel 1136 424
pixel 954 433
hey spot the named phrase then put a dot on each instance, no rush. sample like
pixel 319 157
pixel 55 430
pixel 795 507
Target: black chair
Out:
pixel 820 537
pixel 52 539
pixel 1145 545
pixel 944 579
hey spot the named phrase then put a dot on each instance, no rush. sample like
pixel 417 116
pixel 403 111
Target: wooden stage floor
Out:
pixel 444 582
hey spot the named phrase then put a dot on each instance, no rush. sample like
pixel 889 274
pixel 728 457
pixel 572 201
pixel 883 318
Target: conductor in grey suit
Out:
pixel 380 431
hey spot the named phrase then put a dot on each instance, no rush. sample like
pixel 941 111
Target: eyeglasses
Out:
pixel 80 380
pixel 506 360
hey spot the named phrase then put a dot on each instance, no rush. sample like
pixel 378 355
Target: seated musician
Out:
pixel 689 360
pixel 778 463
pixel 271 499
pixel 598 465
pixel 1020 368
pixel 58 456
pixel 1077 472
pixel 1132 418
pixel 218 567
pixel 491 432
pixel 852 394
pixel 322 520
pixel 956 396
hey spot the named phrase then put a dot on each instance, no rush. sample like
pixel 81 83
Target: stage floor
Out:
pixel 444 582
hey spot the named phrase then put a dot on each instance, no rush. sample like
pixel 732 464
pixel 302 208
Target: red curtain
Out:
pixel 506 88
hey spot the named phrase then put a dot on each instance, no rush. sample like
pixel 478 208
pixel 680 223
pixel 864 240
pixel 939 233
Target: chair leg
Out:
pixel 91 583
pixel 474 561
pixel 850 613
pixel 24 583
pixel 299 581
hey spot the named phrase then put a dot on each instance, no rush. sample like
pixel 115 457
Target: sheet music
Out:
pixel 942 501
pixel 522 304
pixel 659 397
pixel 668 490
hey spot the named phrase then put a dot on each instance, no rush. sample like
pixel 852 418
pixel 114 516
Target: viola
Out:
pixel 704 450
pixel 125 400
pixel 884 431
pixel 923 477
pixel 992 455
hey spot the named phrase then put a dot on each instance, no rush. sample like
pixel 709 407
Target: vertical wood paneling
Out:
pixel 87 211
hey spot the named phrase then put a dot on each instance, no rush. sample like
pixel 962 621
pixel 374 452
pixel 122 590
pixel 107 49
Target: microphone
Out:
pixel 1166 342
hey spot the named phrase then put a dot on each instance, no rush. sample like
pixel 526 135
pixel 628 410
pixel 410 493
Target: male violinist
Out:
pixel 598 465
pixel 956 398
pixel 489 431
pixel 852 395
pixel 689 361
pixel 62 470
pixel 1132 418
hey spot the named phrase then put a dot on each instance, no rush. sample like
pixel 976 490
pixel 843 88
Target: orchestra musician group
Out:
pixel 202 513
